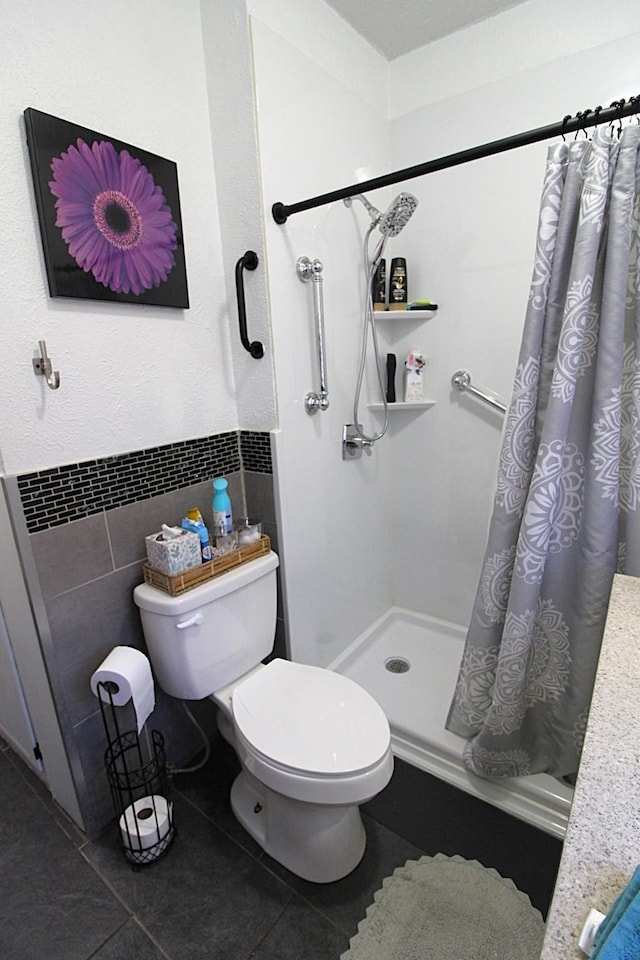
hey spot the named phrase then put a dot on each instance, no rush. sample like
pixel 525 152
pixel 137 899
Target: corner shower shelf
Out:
pixel 404 314
pixel 402 406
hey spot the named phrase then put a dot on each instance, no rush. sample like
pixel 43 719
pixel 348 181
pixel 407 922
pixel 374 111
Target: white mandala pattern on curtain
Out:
pixel 578 340
pixel 630 433
pixel 494 584
pixel 533 665
pixel 606 449
pixel 498 763
pixel 553 515
pixel 517 455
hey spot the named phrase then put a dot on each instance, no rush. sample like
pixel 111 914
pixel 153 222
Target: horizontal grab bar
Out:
pixel 461 380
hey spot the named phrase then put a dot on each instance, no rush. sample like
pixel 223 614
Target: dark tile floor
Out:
pixel 216 894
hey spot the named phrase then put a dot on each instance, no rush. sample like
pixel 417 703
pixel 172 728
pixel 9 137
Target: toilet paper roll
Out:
pixel 130 672
pixel 145 822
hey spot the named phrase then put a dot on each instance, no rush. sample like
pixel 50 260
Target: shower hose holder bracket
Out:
pixel 353 444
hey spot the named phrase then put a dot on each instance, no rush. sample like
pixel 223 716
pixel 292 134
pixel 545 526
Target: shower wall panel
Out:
pixel 336 517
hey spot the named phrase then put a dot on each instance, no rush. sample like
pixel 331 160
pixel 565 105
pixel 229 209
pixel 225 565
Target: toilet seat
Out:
pixel 312 734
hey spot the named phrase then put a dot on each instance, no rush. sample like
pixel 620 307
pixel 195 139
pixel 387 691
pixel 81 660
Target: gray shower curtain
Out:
pixel 565 514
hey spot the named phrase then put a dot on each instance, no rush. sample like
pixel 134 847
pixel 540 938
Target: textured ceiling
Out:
pixel 395 27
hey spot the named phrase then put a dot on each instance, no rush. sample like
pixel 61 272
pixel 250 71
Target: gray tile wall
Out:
pixel 87 569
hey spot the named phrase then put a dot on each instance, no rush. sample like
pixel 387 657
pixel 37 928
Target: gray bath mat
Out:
pixel 447 908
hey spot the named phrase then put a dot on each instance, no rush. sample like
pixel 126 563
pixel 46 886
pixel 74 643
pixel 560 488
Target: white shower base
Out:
pixel 417 701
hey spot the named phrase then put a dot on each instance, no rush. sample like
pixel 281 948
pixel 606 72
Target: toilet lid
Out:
pixel 310 719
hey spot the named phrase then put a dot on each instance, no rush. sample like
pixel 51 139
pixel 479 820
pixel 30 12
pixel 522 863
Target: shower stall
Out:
pixel 409 662
pixel 381 554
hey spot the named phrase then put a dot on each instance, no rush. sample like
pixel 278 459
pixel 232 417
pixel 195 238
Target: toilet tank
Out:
pixel 211 635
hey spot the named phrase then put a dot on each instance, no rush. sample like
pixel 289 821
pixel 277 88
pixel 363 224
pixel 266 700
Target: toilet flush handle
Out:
pixel 193 621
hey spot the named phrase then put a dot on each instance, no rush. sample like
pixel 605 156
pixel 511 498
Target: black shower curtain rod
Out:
pixel 587 118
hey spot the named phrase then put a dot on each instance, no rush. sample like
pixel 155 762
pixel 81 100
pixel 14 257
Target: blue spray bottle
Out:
pixel 222 516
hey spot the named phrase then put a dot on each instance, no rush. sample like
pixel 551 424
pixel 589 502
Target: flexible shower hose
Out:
pixel 370 267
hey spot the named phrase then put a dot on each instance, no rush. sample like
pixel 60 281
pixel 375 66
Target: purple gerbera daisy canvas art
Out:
pixel 113 217
pixel 110 216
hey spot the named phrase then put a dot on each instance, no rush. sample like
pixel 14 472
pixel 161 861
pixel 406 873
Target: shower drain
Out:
pixel 397 665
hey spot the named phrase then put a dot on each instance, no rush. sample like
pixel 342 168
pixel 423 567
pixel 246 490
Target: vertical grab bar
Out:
pixel 247 262
pixel 311 270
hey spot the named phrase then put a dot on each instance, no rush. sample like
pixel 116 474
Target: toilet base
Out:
pixel 318 842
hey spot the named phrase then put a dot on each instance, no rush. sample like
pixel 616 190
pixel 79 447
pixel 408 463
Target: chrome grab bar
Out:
pixel 461 380
pixel 311 270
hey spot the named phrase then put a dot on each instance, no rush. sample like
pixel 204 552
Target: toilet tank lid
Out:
pixel 311 719
pixel 154 600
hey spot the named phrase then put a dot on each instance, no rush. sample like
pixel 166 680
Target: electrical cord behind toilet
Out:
pixel 207 746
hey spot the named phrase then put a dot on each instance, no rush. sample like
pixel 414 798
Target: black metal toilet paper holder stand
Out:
pixel 136 769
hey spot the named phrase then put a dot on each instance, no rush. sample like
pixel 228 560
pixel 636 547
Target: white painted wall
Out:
pixel 170 78
pixel 229 74
pixel 505 46
pixel 132 376
pixel 408 525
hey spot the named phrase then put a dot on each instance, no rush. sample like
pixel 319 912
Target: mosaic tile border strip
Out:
pixel 255 450
pixel 70 492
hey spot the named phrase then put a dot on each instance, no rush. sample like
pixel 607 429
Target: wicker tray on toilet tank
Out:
pixel 176 583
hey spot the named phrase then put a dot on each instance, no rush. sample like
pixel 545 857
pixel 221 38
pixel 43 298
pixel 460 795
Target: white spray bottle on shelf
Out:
pixel 414 377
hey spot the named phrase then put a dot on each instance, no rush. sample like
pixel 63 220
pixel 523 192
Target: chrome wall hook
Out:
pixel 43 368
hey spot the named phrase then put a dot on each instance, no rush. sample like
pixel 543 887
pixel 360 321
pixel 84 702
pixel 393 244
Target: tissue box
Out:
pixel 175 555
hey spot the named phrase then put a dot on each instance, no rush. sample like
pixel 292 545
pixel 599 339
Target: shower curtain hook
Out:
pixel 565 120
pixel 620 106
pixel 617 104
pixel 596 115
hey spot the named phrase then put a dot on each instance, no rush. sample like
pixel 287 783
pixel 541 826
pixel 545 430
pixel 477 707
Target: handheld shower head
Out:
pixel 391 222
pixel 397 214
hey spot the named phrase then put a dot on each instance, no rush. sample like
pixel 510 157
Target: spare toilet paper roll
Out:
pixel 130 671
pixel 145 822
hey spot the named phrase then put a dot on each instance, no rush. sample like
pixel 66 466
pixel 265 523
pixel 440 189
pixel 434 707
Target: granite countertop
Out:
pixel 602 846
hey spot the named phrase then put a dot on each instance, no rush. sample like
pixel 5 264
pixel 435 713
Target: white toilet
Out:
pixel 312 744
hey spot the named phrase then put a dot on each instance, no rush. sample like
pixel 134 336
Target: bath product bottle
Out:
pixel 398 284
pixel 222 517
pixel 205 546
pixel 379 286
pixel 391 378
pixel 413 377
